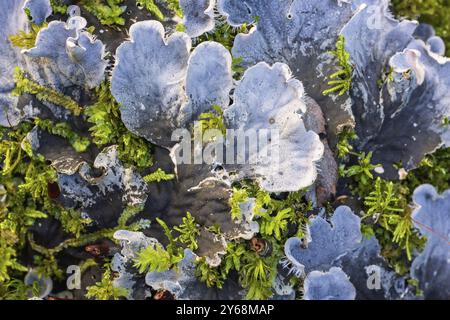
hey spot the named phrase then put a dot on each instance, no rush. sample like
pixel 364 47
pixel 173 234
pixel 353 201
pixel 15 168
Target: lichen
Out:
pixel 103 114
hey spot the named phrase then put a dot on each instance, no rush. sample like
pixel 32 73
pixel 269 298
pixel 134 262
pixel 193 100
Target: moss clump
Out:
pixel 58 7
pixel 256 261
pixel 212 121
pixel 25 85
pixel 109 129
pixel 386 203
pixel 341 80
pixel 105 289
pixel 27 40
pixel 108 12
pixel 158 176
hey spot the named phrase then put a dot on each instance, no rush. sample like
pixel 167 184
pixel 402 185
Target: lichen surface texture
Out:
pixel 224 150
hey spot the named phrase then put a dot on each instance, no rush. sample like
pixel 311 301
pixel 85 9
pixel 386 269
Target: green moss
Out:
pixel 257 276
pixel 63 129
pixel 134 150
pixel 257 270
pixel 174 5
pixel 14 289
pixel 27 40
pixel 158 176
pixel 25 85
pixel 49 265
pixel 386 205
pixel 105 289
pixel 25 179
pixel 188 232
pixel 109 129
pixel 211 276
pixel 58 7
pixel 212 121
pixel 238 197
pixel 105 117
pixel 341 80
pixel 108 12
pixel 156 258
pixel 72 221
pixel 151 7
pixel 434 169
pixel 224 34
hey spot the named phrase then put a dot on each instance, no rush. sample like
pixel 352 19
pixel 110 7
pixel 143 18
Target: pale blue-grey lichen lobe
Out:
pixel 65 55
pixel 162 87
pixel 384 97
pixel 432 266
pixel 209 80
pixel 328 242
pixel 331 285
pixel 198 16
pixel 297 33
pixel 12 20
pixel 269 98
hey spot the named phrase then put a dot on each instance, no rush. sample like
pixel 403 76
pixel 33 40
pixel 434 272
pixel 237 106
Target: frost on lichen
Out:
pixel 269 98
pixel 331 285
pixel 432 266
pixel 198 16
pixel 328 242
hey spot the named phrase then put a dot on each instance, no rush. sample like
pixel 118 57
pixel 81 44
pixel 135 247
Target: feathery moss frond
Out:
pixel 105 289
pixel 44 94
pixel 158 176
pixel 212 120
pixel 108 128
pixel 27 40
pixel 238 197
pixel 63 129
pixel 189 231
pixel 341 80
pixel 154 258
pixel 151 7
pixel 108 12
